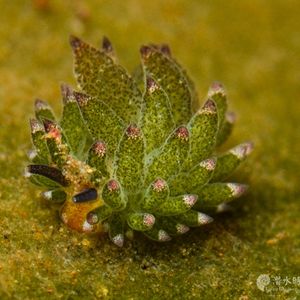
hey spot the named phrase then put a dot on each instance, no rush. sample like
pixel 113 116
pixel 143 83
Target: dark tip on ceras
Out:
pixel 209 106
pixel 133 132
pixel 75 42
pixel 182 133
pixel 108 49
pixel 48 125
pixel 99 148
pixel 165 49
pixel 40 104
pixel 151 84
pixel 85 196
pixel 66 92
pixel 216 88
pixel 47 171
pixel 216 85
pixel 35 125
pixel 81 98
pixel 113 186
pixel 146 52
pixel 51 128
pixel 106 45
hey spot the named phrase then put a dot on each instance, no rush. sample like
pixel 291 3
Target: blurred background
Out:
pixel 253 47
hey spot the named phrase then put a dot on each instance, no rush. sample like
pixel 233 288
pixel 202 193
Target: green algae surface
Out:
pixel 252 47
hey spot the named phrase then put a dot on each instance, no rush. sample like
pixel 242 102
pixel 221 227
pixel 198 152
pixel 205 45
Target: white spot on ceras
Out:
pixel 204 219
pixel 190 200
pixel 208 164
pixel 163 236
pixel 237 189
pixel 47 195
pixel 216 88
pixel 87 227
pixel 36 126
pixel 159 185
pixel 148 220
pixel 100 148
pixel 32 154
pixel 181 228
pixel 70 99
pixel 242 151
pixel 118 240
pixel 26 173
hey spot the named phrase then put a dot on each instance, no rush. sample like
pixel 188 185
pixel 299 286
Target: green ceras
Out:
pixel 129 153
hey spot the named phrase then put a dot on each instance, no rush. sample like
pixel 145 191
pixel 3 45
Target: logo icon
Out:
pixel 262 281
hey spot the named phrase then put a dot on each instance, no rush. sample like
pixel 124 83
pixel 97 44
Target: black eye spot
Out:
pixel 86 196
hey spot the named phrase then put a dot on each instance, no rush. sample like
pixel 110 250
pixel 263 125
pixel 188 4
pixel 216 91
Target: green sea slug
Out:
pixel 129 152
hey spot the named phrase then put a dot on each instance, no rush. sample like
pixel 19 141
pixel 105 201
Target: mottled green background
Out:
pixel 251 46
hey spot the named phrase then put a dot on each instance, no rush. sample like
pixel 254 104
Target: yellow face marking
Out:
pixel 74 215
